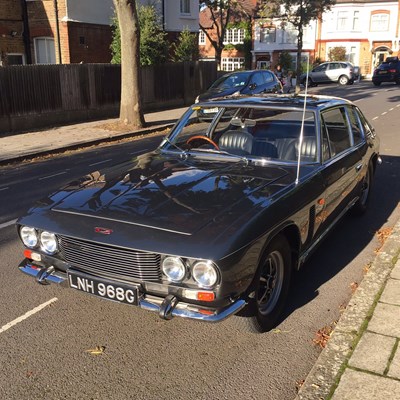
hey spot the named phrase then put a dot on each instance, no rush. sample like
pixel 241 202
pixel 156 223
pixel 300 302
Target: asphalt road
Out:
pixel 43 351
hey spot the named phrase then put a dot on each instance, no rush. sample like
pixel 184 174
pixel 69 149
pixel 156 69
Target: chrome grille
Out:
pixel 111 261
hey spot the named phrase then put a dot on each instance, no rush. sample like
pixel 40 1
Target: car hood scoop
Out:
pixel 170 194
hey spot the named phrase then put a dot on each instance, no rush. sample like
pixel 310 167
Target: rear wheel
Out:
pixel 360 207
pixel 376 83
pixel 271 287
pixel 343 80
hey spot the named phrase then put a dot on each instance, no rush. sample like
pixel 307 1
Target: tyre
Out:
pixel 343 80
pixel 360 207
pixel 376 83
pixel 271 285
pixel 311 83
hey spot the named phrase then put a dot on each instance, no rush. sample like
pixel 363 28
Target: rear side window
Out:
pixel 257 79
pixel 268 77
pixel 337 130
pixel 355 124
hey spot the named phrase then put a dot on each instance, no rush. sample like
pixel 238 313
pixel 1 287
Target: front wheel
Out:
pixel 272 283
pixel 343 80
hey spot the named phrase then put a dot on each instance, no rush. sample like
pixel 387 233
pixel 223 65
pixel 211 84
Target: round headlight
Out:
pixel 49 242
pixel 29 236
pixel 205 274
pixel 174 269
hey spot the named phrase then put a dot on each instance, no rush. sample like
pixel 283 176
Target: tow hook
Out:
pixel 167 307
pixel 43 274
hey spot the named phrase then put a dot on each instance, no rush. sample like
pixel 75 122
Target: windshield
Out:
pixel 238 79
pixel 248 132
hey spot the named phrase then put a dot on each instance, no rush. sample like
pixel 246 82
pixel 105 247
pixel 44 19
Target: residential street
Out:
pixel 45 355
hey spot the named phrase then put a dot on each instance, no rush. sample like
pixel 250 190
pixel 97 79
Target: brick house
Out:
pixel 232 56
pixel 12 47
pixel 74 31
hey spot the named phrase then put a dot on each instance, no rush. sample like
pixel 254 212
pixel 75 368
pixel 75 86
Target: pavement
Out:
pixel 362 356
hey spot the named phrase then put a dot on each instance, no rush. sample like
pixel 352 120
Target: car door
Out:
pixel 342 164
pixel 272 85
pixel 318 74
pixel 333 72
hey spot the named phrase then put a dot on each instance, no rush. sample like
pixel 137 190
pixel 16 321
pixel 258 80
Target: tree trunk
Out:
pixel 131 112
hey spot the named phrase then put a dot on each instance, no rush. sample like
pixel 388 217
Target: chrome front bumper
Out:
pixel 167 307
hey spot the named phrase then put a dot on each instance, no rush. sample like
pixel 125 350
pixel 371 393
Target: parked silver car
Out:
pixel 342 72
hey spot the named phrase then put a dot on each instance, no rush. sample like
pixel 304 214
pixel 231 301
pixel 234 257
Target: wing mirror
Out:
pixel 252 86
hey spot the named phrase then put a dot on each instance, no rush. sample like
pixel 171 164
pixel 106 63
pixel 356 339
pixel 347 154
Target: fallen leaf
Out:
pixel 299 384
pixel 97 351
pixel 353 286
pixel 277 330
pixel 382 234
pixel 322 336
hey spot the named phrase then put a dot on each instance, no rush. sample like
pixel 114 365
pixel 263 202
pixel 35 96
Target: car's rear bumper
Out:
pixel 386 78
pixel 167 307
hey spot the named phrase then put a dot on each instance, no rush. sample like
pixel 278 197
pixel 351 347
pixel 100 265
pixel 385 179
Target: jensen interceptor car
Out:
pixel 214 221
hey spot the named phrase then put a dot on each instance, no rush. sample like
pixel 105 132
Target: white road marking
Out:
pixel 100 162
pixel 137 152
pixel 4 188
pixel 384 113
pixel 27 315
pixel 52 176
pixel 391 109
pixel 374 118
pixel 6 224
pixel 397 105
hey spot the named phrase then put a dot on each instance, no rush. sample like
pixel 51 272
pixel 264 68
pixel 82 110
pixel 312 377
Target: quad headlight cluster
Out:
pixel 203 272
pixel 34 238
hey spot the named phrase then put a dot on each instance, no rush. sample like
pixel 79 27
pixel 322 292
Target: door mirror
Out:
pixel 252 86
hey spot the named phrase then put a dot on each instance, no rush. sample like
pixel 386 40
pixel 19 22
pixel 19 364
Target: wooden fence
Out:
pixel 35 96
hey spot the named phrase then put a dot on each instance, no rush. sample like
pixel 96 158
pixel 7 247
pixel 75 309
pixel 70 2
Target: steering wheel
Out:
pixel 205 138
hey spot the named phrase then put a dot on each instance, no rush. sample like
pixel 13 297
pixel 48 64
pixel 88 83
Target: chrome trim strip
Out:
pixel 149 303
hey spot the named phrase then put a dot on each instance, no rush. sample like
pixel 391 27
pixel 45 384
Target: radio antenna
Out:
pixel 302 123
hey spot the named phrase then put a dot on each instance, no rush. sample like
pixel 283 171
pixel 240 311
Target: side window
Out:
pixel 355 125
pixel 337 130
pixel 268 77
pixel 257 79
pixel 321 68
pixel 327 151
pixel 368 129
pixel 334 66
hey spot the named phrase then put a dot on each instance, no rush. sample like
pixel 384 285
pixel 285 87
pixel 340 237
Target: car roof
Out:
pixel 316 102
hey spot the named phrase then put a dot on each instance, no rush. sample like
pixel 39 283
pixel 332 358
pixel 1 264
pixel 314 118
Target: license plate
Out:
pixel 382 72
pixel 210 110
pixel 115 291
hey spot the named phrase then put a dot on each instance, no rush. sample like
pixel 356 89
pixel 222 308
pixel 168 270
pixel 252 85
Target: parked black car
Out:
pixel 388 71
pixel 242 82
pixel 214 221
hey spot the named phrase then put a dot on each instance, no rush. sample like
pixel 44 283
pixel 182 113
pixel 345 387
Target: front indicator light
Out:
pixel 48 242
pixel 29 236
pixel 198 295
pixel 205 274
pixel 30 255
pixel 174 269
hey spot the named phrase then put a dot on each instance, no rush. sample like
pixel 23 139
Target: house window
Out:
pixel 268 34
pixel 342 20
pixel 45 51
pixel 202 38
pixel 356 20
pixel 234 36
pixel 380 22
pixel 290 34
pixel 185 6
pixel 232 63
pixel 15 59
pixel 352 55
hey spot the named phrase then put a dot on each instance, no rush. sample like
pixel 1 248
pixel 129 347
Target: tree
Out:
pixel 187 47
pixel 299 13
pixel 131 111
pixel 154 46
pixel 221 13
pixel 337 53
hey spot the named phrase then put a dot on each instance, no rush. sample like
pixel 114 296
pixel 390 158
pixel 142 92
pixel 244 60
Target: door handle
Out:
pixel 358 168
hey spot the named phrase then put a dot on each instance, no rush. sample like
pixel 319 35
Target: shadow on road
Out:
pixel 349 238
